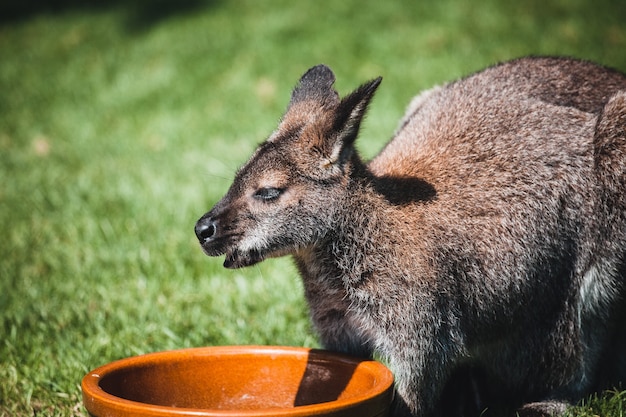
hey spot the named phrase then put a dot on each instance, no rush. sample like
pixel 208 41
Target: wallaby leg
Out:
pixel 610 158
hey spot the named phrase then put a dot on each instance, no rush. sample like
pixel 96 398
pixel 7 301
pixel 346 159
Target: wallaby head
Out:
pixel 282 200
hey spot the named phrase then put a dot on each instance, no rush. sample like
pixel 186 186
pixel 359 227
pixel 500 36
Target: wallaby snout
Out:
pixel 206 229
pixel 217 235
pixel 481 254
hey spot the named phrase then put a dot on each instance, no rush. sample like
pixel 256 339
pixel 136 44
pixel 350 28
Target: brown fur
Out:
pixel 481 253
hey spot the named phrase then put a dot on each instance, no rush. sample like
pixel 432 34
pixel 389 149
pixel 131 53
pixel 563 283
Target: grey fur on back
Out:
pixel 481 254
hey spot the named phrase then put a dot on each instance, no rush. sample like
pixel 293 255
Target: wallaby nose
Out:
pixel 206 229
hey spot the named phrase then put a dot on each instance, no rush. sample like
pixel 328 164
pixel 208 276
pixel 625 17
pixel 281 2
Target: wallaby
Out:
pixel 481 254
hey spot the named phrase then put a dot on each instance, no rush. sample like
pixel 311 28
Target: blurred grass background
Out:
pixel 121 122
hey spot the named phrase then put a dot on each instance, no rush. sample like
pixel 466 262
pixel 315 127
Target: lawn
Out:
pixel 122 122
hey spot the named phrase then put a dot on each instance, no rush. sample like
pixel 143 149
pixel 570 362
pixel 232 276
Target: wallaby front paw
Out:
pixel 543 409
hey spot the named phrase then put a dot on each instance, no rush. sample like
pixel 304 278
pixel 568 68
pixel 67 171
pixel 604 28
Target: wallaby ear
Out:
pixel 316 84
pixel 348 117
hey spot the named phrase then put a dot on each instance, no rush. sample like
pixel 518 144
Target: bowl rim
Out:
pixel 95 398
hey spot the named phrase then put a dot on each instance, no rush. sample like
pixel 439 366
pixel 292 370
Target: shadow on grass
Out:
pixel 141 14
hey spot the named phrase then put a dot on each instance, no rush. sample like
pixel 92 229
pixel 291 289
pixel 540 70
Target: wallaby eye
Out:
pixel 267 193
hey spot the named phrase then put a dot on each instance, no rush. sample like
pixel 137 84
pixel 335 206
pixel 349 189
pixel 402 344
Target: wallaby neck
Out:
pixel 356 245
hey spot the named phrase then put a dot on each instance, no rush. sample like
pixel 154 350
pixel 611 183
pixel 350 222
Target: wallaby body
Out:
pixel 482 253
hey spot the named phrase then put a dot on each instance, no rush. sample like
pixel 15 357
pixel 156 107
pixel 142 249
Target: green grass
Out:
pixel 122 123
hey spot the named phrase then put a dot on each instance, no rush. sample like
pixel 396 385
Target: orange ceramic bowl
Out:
pixel 239 381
